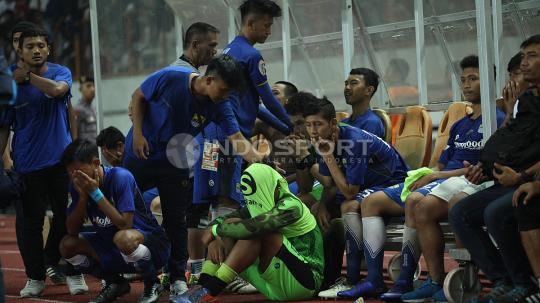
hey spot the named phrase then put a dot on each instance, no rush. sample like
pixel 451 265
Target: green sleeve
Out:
pixel 241 213
pixel 272 220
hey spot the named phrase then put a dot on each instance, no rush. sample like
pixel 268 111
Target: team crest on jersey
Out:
pixel 262 67
pixel 211 183
pixel 248 185
pixel 197 120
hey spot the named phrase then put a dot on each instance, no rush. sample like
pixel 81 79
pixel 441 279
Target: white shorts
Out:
pixel 454 185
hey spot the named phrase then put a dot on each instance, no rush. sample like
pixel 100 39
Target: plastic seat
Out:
pixel 385 118
pixel 456 111
pixel 413 140
pixel 341 115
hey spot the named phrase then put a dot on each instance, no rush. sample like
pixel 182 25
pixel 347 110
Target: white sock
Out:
pixel 142 252
pixel 374 234
pixel 78 260
pixel 410 239
pixel 353 224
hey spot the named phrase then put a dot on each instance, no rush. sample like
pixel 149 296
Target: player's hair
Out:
pixel 514 63
pixel 535 39
pixel 80 150
pixel 84 79
pixel 36 32
pixel 230 71
pixel 198 29
pixel 370 77
pixel 472 61
pixel 401 66
pixel 259 7
pixel 290 89
pixel 311 105
pixel 22 26
pixel 109 137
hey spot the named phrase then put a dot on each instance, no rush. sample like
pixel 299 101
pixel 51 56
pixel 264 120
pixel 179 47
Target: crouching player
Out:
pixel 126 239
pixel 273 243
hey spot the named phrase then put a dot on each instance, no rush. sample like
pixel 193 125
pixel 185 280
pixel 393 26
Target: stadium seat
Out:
pixel 413 139
pixel 341 115
pixel 385 118
pixel 455 111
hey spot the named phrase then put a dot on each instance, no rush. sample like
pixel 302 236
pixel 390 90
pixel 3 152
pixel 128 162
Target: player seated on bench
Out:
pixel 127 239
pixel 273 243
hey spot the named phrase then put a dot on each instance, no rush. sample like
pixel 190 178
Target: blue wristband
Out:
pixel 96 195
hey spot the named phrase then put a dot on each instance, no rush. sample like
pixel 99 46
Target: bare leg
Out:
pixel 531 243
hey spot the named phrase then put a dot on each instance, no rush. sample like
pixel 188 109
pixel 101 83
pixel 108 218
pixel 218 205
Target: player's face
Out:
pixel 530 63
pixel 15 41
pixel 278 90
pixel 113 156
pixel 87 168
pixel 218 90
pixel 35 51
pixel 206 49
pixel 261 28
pixel 88 90
pixel 318 127
pixel 299 124
pixel 470 84
pixel 355 89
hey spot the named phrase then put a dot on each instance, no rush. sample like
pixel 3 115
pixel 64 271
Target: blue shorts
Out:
pixel 208 185
pixel 394 192
pixel 111 259
pixel 340 198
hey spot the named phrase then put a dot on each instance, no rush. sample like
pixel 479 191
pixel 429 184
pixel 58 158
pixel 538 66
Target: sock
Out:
pixel 196 266
pixel 83 264
pixel 374 234
pixel 215 284
pixel 226 274
pixel 353 245
pixel 410 254
pixel 209 268
pixel 142 258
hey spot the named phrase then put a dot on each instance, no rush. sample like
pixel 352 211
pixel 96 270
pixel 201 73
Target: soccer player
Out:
pixel 274 243
pixel 85 112
pixel 173 104
pixel 360 87
pixel 358 163
pixel 41 132
pixel 127 238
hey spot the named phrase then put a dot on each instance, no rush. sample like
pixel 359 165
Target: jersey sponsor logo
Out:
pixel 248 185
pixel 474 145
pixel 211 183
pixel 254 203
pixel 262 67
pixel 102 222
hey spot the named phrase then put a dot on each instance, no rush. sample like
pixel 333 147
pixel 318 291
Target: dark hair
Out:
pixel 296 103
pixel 84 79
pixel 109 137
pixel 80 150
pixel 228 70
pixel 259 7
pixel 514 63
pixel 22 26
pixel 401 66
pixel 535 39
pixel 290 89
pixel 33 33
pixel 311 105
pixel 370 77
pixel 198 29
pixel 472 61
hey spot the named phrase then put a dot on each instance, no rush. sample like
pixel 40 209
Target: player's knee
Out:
pixel 411 202
pixel 69 245
pixel 370 207
pixel 351 206
pixel 155 206
pixel 126 241
pixel 422 213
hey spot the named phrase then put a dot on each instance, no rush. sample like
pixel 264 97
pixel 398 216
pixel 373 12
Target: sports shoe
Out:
pixel 496 292
pixel 364 289
pixel 178 288
pixel 400 287
pixel 164 280
pixel 341 284
pixel 533 298
pixel 55 275
pixel 76 285
pixel 197 294
pixel 422 294
pixel 33 288
pixel 240 286
pixel 440 297
pixel 111 291
pixel 151 293
pixel 193 279
pixel 518 294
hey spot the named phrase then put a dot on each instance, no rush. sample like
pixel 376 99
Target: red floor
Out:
pixel 14 277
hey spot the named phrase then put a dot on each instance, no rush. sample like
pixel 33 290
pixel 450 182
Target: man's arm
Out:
pixel 140 145
pixel 4 138
pixel 241 213
pixel 266 116
pixel 244 148
pixel 348 190
pixel 272 104
pixel 55 89
pixel 122 220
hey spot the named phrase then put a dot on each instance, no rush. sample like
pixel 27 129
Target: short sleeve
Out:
pixel 154 85
pixel 257 70
pixel 448 151
pixel 225 118
pixel 64 75
pixel 124 190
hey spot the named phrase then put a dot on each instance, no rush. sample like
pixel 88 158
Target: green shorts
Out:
pixel 287 278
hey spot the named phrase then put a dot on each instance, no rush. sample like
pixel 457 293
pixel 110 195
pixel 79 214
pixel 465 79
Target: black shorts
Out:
pixel 528 216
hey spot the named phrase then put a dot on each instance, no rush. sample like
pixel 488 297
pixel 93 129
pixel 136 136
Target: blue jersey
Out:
pixel 172 109
pixel 367 161
pixel 465 142
pixel 120 189
pixel 369 122
pixel 40 123
pixel 246 105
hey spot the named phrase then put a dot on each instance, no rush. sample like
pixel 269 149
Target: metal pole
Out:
pixel 498 43
pixel 179 35
pixel 486 58
pixel 97 63
pixel 347 34
pixel 286 40
pixel 420 51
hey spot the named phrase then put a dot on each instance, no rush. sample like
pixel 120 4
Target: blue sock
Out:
pixel 354 259
pixel 374 237
pixel 410 254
